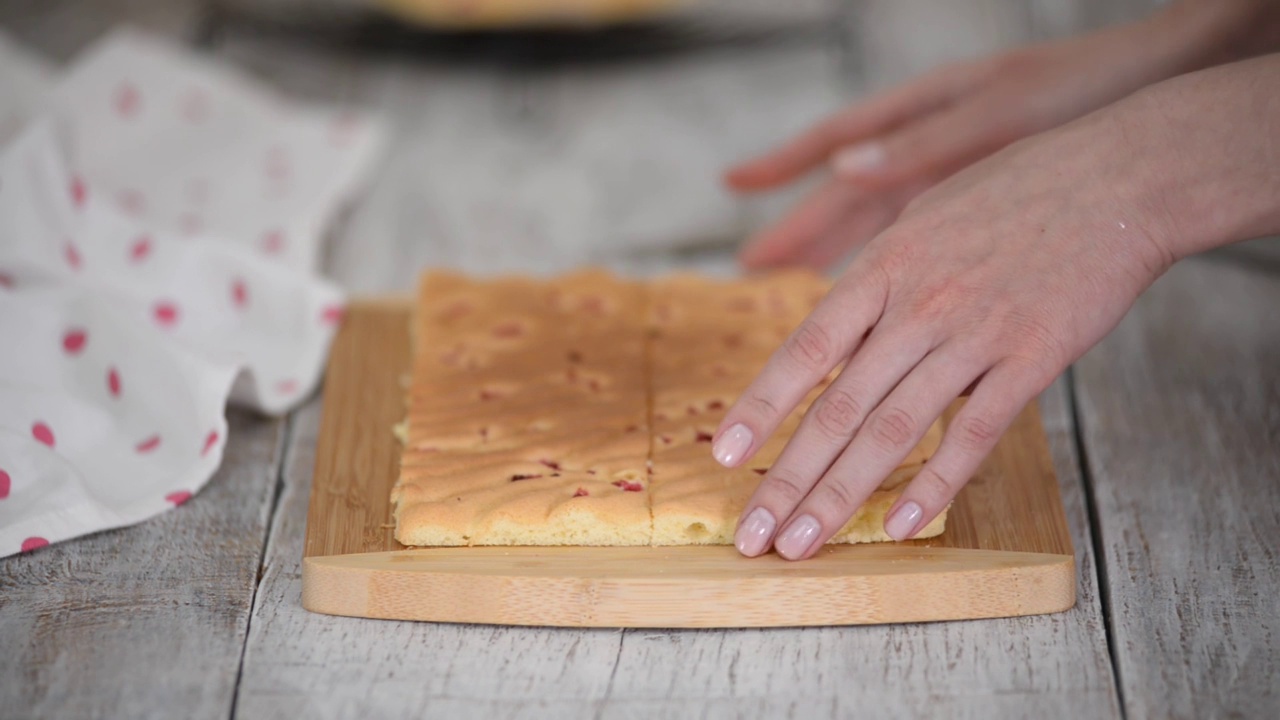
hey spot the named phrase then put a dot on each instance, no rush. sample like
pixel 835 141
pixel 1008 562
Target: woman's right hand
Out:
pixel 887 150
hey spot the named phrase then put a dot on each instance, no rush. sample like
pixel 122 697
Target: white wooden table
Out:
pixel 1166 437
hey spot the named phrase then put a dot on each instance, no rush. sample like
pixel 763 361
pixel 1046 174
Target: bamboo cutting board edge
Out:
pixel 1006 550
pixel 846 585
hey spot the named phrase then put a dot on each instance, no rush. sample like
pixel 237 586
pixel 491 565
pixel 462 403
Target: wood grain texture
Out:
pixel 141 621
pixel 501 165
pixel 687 586
pixel 338 667
pixel 299 662
pixel 1053 666
pixel 1180 413
pixel 1006 552
pixel 303 663
pixel 361 432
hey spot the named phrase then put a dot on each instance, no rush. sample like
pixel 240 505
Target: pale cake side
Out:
pixel 709 340
pixel 527 420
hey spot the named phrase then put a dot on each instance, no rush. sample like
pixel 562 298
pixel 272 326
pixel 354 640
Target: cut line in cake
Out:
pixel 580 410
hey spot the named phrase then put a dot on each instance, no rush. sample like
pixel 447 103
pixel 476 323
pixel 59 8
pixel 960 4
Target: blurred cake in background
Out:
pixel 499 14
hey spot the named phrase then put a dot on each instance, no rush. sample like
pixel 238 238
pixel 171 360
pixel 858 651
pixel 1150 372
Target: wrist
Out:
pixel 1202 152
pixel 1198 34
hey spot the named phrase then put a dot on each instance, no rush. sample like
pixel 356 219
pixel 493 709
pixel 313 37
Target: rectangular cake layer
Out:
pixel 579 411
pixel 527 419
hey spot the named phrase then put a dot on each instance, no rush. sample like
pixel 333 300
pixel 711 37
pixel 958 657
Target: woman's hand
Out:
pixel 997 279
pixel 887 150
pixel 1000 276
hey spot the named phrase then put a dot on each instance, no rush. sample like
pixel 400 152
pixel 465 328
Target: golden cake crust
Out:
pixel 579 411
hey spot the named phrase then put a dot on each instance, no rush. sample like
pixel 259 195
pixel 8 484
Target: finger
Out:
pixel 889 433
pixel 859 225
pixel 824 339
pixel 862 120
pixel 815 215
pixel 970 437
pixel 938 144
pixel 825 431
pixel 868 218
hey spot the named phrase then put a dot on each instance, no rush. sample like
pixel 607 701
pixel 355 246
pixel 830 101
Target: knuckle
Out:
pixel 786 486
pixel 834 494
pixel 893 429
pixel 1040 344
pixel 899 256
pixel 810 346
pixel 939 301
pixel 976 433
pixel 762 406
pixel 934 486
pixel 837 414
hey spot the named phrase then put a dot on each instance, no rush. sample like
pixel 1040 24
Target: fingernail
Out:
pixel 732 445
pixel 794 542
pixel 753 534
pixel 902 521
pixel 858 159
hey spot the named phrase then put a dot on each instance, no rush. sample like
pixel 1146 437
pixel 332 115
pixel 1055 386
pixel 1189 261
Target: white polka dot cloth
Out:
pixel 160 220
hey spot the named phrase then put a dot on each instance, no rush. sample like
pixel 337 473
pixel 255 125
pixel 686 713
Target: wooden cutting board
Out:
pixel 1006 550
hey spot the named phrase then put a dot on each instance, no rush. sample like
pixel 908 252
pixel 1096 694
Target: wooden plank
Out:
pixel 326 666
pixel 993 668
pixel 1180 414
pixel 302 663
pixel 141 621
pixel 512 166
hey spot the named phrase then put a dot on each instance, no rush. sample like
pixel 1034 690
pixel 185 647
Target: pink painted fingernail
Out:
pixel 859 159
pixel 753 534
pixel 902 521
pixel 794 542
pixel 732 446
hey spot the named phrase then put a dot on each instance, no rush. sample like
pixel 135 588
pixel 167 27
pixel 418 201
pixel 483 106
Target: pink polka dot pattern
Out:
pixel 140 250
pixel 166 313
pixel 43 434
pixel 273 242
pixel 167 276
pixel 332 315
pixel 178 497
pixel 74 341
pixel 79 193
pixel 128 100
pixel 209 442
